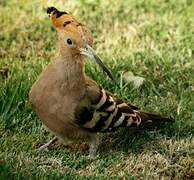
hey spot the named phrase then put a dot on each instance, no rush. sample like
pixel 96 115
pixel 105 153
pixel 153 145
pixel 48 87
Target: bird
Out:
pixel 72 105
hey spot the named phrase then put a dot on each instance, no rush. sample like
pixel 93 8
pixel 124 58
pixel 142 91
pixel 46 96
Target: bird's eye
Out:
pixel 69 41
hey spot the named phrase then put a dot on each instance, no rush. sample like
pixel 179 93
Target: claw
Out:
pixel 47 145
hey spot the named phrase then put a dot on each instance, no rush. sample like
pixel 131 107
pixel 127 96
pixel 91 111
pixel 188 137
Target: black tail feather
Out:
pixel 152 119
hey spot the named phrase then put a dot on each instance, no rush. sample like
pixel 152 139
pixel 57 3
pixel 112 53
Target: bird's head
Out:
pixel 75 39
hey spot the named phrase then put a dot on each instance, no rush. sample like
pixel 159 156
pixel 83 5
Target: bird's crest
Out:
pixel 64 21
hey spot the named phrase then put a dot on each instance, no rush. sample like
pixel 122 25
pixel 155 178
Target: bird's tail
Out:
pixel 152 119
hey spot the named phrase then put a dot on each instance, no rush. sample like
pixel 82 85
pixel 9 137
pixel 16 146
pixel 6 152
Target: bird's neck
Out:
pixel 72 72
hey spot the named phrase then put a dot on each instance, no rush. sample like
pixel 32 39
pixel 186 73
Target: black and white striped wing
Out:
pixel 106 114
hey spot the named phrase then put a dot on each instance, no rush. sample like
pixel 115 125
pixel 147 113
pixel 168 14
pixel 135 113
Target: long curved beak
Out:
pixel 89 52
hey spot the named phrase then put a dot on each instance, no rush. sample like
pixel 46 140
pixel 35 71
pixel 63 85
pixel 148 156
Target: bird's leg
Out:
pixel 93 145
pixel 45 146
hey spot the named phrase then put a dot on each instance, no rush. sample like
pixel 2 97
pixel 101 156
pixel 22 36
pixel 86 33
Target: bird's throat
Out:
pixel 72 72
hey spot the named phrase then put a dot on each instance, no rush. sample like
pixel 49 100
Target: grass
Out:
pixel 153 39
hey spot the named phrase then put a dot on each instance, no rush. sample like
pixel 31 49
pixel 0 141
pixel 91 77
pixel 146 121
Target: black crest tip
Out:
pixel 51 10
pixel 54 10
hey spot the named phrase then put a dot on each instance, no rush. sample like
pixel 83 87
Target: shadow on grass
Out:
pixel 140 139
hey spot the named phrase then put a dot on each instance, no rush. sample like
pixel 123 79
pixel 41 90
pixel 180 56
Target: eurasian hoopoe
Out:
pixel 69 103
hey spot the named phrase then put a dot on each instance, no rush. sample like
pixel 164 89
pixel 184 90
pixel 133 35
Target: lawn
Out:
pixel 154 39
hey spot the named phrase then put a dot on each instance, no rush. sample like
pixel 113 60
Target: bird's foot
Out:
pixel 93 146
pixel 47 145
pixel 92 152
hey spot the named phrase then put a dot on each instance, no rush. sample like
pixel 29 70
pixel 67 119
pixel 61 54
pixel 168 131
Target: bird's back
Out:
pixel 101 111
